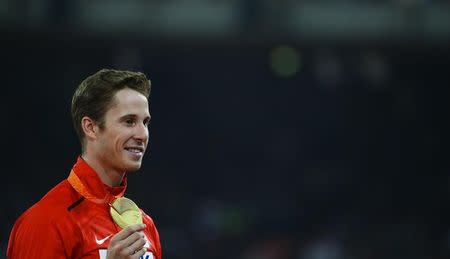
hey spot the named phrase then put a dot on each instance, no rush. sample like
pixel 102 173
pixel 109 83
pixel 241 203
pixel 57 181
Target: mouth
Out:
pixel 135 151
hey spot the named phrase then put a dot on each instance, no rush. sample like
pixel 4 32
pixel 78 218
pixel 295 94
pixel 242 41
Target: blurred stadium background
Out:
pixel 280 129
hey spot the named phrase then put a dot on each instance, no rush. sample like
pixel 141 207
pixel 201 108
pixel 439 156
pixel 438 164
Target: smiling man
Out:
pixel 87 215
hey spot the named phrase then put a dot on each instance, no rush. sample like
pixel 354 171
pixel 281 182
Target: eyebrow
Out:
pixel 132 116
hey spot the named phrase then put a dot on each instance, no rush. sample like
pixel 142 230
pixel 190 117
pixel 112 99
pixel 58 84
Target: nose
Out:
pixel 141 133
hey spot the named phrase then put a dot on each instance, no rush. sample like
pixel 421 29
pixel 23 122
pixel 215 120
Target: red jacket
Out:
pixel 63 224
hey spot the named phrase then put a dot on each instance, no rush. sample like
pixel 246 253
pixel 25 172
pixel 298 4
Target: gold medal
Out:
pixel 125 212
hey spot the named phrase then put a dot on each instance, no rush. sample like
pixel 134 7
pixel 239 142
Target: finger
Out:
pixel 130 240
pixel 124 233
pixel 139 253
pixel 135 247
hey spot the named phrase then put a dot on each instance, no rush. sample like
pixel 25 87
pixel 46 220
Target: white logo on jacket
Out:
pixel 101 241
pixel 147 255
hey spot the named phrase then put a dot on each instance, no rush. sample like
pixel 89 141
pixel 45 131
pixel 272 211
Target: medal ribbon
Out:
pixel 83 191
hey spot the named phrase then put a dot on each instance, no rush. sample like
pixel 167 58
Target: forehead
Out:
pixel 128 101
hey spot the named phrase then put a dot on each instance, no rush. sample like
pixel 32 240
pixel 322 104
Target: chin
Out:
pixel 131 167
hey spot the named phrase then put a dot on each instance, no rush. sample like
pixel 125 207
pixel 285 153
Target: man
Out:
pixel 86 215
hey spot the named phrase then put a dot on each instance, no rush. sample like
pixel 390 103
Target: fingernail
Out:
pixel 143 225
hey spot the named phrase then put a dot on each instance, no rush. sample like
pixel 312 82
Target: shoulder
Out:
pixel 147 219
pixel 154 234
pixel 46 225
pixel 57 201
pixel 49 212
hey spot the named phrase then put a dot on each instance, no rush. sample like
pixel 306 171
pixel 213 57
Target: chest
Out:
pixel 97 228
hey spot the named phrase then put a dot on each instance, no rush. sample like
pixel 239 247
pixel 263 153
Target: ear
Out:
pixel 89 127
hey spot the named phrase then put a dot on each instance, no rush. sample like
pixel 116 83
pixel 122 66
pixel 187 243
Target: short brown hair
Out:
pixel 94 96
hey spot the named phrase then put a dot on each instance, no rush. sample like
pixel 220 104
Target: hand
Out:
pixel 128 243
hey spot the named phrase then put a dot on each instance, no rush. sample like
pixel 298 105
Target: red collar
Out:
pixel 86 181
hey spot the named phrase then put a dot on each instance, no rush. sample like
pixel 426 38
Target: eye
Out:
pixel 147 123
pixel 129 122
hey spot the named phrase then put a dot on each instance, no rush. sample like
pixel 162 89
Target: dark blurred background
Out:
pixel 280 129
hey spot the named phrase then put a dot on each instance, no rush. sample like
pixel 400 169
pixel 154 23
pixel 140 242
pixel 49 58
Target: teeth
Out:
pixel 134 150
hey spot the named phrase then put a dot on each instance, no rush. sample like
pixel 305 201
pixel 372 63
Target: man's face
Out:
pixel 122 142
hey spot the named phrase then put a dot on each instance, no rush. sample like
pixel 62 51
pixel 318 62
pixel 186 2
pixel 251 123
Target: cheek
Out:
pixel 110 142
pixel 119 140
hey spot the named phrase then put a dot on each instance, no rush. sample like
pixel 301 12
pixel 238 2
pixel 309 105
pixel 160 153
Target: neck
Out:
pixel 108 176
